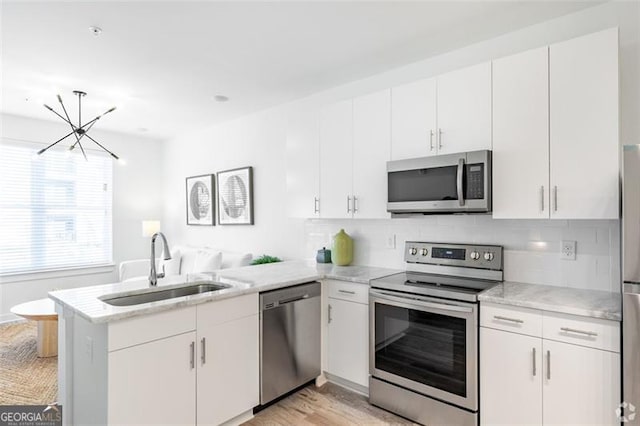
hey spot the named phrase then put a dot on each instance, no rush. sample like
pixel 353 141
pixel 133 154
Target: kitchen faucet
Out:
pixel 153 275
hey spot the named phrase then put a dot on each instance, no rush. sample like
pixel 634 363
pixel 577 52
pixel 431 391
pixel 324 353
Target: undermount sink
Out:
pixel 155 295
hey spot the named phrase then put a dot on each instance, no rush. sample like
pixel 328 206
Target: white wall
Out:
pixel 137 195
pixel 532 246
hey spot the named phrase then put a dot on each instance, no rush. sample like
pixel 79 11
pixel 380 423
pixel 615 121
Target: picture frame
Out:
pixel 200 200
pixel 235 196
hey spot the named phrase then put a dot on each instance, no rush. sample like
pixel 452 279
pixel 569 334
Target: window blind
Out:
pixel 55 209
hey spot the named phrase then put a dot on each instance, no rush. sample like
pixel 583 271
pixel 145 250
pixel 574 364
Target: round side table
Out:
pixel 43 311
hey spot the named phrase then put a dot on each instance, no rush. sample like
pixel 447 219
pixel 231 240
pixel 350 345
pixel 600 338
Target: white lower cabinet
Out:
pixel 206 376
pixel 510 378
pixel 153 383
pixel 566 372
pixel 348 332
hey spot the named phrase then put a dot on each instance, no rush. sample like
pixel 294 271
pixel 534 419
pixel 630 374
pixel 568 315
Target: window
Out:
pixel 55 209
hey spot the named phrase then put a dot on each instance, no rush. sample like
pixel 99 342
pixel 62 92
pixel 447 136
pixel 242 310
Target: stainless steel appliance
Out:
pixel 289 339
pixel 454 183
pixel 631 280
pixel 423 343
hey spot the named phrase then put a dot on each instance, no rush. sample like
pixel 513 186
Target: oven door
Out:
pixel 425 344
pixel 441 184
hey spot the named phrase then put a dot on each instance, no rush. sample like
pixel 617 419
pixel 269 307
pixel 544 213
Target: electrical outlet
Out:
pixel 568 250
pixel 391 241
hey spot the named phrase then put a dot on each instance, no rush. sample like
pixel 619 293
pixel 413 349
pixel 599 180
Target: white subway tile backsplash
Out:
pixel 532 247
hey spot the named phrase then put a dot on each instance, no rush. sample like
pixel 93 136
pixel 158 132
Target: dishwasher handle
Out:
pixel 293 299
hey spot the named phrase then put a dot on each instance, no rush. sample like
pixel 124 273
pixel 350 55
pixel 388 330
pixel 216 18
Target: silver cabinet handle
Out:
pixel 203 356
pixel 501 318
pixel 348 204
pixel 431 139
pixel 316 205
pixel 439 138
pixel 534 362
pixel 459 182
pixel 573 330
pixel 355 204
pixel 555 198
pixel 346 291
pixel 548 365
pixel 329 314
pixel 542 198
pixel 192 358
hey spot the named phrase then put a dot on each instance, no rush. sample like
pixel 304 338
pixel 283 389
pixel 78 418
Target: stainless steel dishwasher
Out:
pixel 289 339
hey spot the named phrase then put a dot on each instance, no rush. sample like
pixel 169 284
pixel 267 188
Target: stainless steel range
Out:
pixel 423 344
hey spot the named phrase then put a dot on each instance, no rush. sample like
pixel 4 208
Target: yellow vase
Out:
pixel 342 252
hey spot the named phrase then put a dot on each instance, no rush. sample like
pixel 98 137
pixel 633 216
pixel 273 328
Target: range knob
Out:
pixel 424 252
pixel 488 256
pixel 413 251
pixel 474 255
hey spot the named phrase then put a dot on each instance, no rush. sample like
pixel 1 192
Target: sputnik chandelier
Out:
pixel 81 130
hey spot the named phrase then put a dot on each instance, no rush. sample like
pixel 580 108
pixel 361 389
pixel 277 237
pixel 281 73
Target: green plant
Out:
pixel 265 258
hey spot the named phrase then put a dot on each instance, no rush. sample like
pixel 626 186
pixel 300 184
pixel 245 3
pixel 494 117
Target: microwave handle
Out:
pixel 459 181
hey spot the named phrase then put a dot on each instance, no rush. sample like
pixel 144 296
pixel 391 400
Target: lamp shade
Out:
pixel 150 227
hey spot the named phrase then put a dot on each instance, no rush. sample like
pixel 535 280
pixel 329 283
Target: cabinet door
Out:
pixel 348 341
pixel 153 383
pixel 371 151
pixel 521 136
pixel 584 143
pixel 303 164
pixel 510 378
pixel 228 377
pixel 464 109
pixel 336 160
pixel 581 385
pixel 413 120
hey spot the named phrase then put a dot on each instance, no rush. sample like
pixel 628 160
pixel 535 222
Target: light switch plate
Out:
pixel 568 250
pixel 390 241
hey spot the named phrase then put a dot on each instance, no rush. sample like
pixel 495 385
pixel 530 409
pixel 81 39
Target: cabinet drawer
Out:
pixel 142 329
pixel 221 311
pixel 348 291
pixel 511 318
pixel 583 331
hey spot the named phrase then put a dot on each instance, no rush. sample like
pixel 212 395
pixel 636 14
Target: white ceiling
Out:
pixel 162 62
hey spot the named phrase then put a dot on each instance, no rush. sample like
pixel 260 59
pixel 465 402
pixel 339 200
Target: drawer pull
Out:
pixel 573 330
pixel 346 291
pixel 534 361
pixel 501 318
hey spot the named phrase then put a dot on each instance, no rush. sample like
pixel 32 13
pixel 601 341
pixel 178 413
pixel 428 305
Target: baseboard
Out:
pixel 239 419
pixel 347 384
pixel 7 318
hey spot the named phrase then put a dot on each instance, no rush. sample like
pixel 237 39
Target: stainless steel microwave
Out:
pixel 453 183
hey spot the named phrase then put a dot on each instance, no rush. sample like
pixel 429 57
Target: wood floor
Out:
pixel 328 405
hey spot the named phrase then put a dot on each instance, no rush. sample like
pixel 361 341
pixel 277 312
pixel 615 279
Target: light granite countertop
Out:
pixel 588 303
pixel 251 279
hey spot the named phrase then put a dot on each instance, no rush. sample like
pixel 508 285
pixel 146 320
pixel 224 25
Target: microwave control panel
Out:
pixel 474 189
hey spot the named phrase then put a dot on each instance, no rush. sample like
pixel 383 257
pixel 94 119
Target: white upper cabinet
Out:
pixel 464 109
pixel 336 160
pixel 413 120
pixel 303 164
pixel 584 127
pixel 371 151
pixel 521 136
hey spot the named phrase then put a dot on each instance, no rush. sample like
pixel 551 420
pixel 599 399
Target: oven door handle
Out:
pixel 460 177
pixel 420 302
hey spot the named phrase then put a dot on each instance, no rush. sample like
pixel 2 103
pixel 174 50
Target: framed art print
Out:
pixel 235 196
pixel 200 200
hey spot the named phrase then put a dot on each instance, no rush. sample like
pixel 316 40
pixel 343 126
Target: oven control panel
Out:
pixel 463 255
